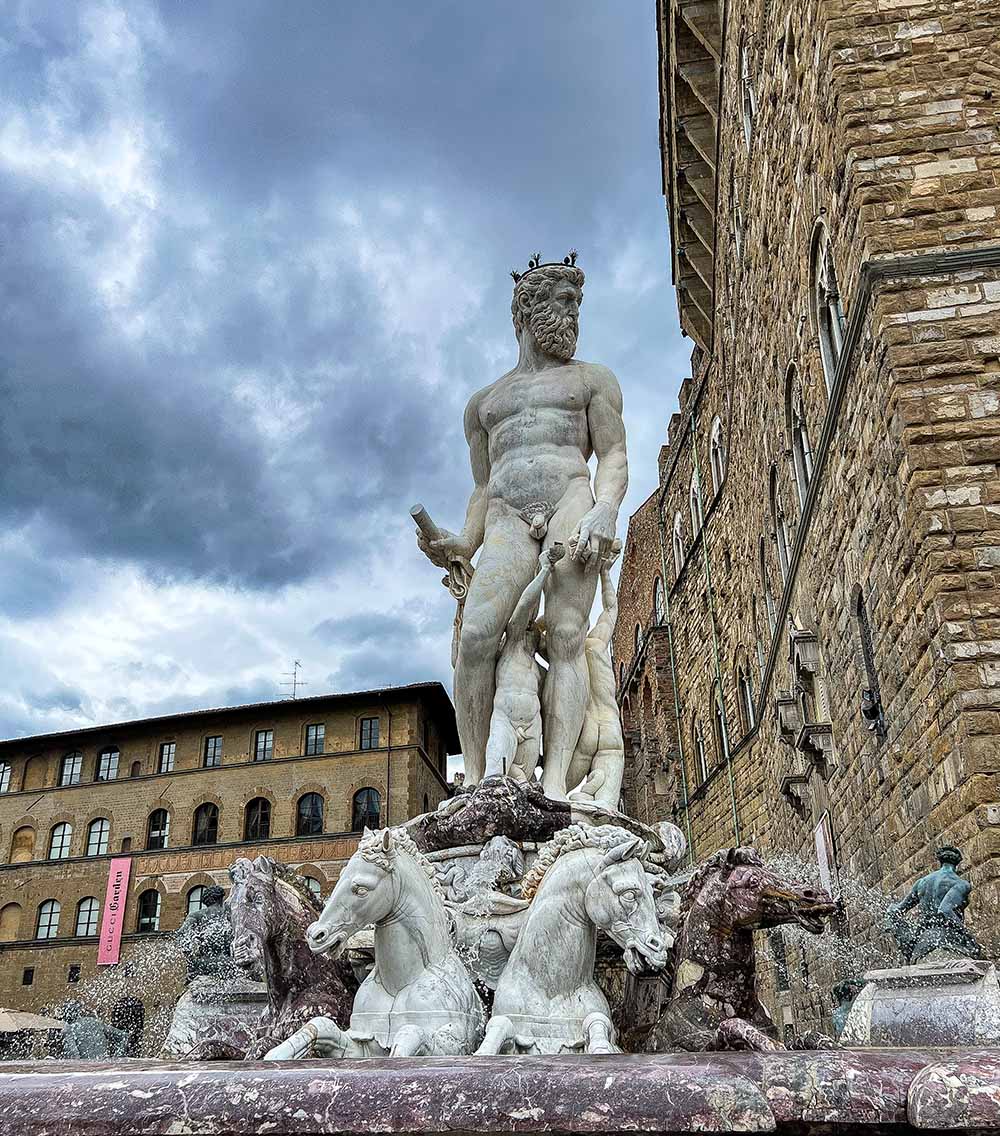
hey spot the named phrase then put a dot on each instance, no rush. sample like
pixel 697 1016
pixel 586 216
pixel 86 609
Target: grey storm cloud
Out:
pixel 255 261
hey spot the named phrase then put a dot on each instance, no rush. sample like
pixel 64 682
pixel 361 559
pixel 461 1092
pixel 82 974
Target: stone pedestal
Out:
pixel 213 1009
pixel 953 1002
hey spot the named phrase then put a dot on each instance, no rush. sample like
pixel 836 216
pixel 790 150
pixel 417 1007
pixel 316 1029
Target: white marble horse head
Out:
pixel 620 901
pixel 369 888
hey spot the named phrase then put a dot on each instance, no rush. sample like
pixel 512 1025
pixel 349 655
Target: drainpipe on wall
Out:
pixel 673 675
pixel 715 634
pixel 388 763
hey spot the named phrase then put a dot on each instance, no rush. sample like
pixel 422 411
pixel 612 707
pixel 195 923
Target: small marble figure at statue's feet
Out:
pixel 499 1031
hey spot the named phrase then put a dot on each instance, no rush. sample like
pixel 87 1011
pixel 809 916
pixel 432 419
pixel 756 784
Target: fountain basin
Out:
pixel 793 1092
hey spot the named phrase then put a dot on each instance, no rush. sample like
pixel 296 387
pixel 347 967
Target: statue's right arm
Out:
pixel 474 528
pixel 604 628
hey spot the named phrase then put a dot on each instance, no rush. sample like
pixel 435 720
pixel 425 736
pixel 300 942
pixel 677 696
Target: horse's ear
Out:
pixel 387 840
pixel 367 833
pixel 626 850
pixel 264 866
pixel 239 870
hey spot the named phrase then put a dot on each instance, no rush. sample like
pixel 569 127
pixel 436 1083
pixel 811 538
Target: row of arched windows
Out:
pixel 309 818
pixel 87 916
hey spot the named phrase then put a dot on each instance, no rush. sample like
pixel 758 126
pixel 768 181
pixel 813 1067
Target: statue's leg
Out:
pixel 599 1034
pixel 569 597
pixel 321 1036
pixel 499 1031
pixel 410 1041
pixel 507 563
pixel 502 744
pixel 738 1033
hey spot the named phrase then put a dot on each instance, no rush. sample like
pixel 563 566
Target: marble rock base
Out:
pixel 792 1093
pixel 207 1010
pixel 954 1002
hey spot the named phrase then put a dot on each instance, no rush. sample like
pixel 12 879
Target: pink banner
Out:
pixel 109 948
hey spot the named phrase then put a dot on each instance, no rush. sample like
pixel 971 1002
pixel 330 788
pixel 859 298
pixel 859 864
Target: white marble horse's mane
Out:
pixel 372 849
pixel 576 836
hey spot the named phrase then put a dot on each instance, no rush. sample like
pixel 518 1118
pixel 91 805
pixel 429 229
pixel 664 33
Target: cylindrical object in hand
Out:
pixel 425 524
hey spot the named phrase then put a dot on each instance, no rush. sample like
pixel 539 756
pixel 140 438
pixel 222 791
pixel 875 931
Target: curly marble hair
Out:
pixel 536 284
pixel 576 836
pixel 372 848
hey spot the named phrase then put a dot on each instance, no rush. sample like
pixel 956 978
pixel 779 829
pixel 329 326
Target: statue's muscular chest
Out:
pixel 524 400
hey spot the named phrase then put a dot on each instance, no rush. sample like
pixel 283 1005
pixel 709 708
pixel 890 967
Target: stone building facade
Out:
pixel 808 646
pixel 181 797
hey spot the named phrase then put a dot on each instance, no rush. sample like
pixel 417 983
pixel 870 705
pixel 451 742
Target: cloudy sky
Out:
pixel 255 260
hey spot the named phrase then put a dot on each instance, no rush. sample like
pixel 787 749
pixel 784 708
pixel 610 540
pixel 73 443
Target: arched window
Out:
pixel 717 455
pixel 744 693
pixel 365 809
pixel 22 845
pixel 70 769
pixel 158 829
pixel 748 98
pixel 765 583
pixel 309 815
pixel 135 769
pixel 98 835
pixel 10 922
pixel 827 313
pixel 59 841
pixel 781 535
pixel 257 819
pixel 720 726
pixel 35 773
pixel 86 917
pixel 47 926
pixel 196 899
pixel 107 764
pixel 4 777
pixel 798 437
pixel 206 824
pixel 148 918
pixel 871 694
pixel 697 516
pixel 314 886
pixel 637 639
pixel 700 753
pixel 678 540
pixel 659 602
pixel 757 641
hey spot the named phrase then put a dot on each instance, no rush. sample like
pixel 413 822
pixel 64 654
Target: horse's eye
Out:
pixel 360 889
pixel 629 898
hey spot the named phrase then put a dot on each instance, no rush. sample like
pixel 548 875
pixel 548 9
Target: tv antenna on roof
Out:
pixel 293 678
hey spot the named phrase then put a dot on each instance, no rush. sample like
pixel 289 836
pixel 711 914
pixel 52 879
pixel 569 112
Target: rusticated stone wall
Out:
pixel 864 132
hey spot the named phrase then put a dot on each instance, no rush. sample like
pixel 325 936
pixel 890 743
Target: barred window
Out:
pixel 168 751
pixel 4 777
pixel 369 733
pixel 47 926
pixel 70 769
pixel 213 752
pixel 827 313
pixel 196 899
pixel 257 819
pixel 315 738
pixel 59 842
pixel 86 916
pixel 206 824
pixel 717 455
pixel 158 829
pixel 264 745
pixel 309 815
pixel 98 835
pixel 107 765
pixel 366 809
pixel 149 912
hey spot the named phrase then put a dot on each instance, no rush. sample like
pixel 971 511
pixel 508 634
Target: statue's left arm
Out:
pixel 596 532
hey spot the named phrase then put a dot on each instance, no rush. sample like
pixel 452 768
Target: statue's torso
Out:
pixel 539 439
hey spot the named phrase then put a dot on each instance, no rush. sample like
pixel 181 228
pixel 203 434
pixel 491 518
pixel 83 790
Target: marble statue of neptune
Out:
pixel 531 434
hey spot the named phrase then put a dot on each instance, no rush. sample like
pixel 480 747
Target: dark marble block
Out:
pixel 857 1091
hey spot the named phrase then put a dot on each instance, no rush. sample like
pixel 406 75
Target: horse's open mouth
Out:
pixel 814 920
pixel 639 959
